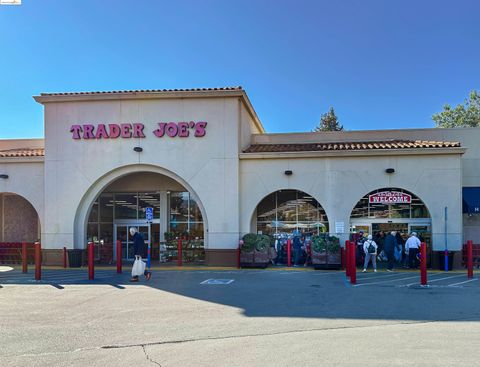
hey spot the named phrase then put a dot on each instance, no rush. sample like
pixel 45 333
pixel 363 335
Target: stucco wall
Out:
pixel 338 183
pixel 80 169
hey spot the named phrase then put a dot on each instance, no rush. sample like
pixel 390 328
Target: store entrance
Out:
pixel 122 234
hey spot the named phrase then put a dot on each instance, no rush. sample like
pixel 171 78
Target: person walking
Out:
pixel 411 249
pixel 360 241
pixel 370 250
pixel 139 250
pixel 389 247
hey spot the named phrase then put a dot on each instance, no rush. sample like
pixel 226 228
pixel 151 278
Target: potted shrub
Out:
pixel 319 250
pixel 247 249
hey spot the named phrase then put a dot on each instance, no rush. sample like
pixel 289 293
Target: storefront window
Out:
pixel 126 206
pixel 185 216
pixel 287 210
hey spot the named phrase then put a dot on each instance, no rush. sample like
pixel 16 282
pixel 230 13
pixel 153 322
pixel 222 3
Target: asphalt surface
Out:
pixel 256 318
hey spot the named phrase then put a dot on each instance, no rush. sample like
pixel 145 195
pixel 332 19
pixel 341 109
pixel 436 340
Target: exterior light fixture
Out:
pixel 288 172
pixel 138 149
pixel 4 176
pixel 390 170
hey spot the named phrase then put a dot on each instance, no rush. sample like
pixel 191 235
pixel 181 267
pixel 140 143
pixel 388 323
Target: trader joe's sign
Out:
pixel 390 197
pixel 136 130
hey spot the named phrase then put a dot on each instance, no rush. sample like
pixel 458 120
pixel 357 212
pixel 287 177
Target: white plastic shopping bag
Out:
pixel 138 267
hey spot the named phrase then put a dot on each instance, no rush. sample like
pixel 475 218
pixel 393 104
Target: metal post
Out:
pixel 90 261
pixel 470 259
pixel 289 253
pixel 180 255
pixel 119 256
pixel 24 257
pixel 347 258
pixel 38 261
pixel 446 245
pixel 149 255
pixel 423 263
pixel 353 266
pixel 240 243
pixel 64 257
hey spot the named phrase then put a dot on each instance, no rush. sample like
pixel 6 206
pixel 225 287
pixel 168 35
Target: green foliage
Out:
pixel 331 244
pixel 169 236
pixel 329 122
pixel 249 241
pixel 259 242
pixel 463 115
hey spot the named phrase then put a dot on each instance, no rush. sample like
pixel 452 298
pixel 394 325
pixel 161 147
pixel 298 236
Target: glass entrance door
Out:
pixel 122 234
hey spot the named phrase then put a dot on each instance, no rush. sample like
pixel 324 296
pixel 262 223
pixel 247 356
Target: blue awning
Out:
pixel 471 200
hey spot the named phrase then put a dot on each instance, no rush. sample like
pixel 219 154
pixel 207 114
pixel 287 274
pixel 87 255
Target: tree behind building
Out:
pixel 329 122
pixel 463 115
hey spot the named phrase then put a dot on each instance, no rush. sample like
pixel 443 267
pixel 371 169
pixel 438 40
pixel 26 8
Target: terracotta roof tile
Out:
pixel 22 152
pixel 370 145
pixel 144 91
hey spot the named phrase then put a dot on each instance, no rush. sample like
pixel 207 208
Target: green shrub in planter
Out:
pixel 263 242
pixel 319 244
pixel 333 244
pixel 249 242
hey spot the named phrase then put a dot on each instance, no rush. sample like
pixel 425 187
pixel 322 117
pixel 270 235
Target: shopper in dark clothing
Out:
pixel 297 250
pixel 139 249
pixel 389 248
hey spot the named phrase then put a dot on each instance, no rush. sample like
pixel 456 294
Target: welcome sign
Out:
pixel 136 130
pixel 390 197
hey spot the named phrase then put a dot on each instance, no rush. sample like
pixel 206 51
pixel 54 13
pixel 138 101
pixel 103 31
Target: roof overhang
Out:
pixel 353 153
pixel 234 92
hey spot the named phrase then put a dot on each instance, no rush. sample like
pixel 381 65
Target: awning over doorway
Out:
pixel 471 200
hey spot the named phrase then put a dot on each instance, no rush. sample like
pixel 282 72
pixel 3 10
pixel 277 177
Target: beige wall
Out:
pixel 80 170
pixel 338 183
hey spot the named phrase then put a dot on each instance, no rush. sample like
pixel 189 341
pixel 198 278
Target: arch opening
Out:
pixel 176 214
pixel 19 220
pixel 390 209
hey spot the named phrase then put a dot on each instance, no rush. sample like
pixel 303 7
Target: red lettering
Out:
pixel 88 132
pixel 101 132
pixel 138 131
pixel 114 131
pixel 172 129
pixel 76 130
pixel 200 129
pixel 183 129
pixel 160 132
pixel 126 133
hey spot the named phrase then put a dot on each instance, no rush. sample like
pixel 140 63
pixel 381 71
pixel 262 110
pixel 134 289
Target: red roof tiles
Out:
pixel 144 91
pixel 22 152
pixel 369 145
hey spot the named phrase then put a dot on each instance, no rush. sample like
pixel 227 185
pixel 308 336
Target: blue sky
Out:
pixel 381 64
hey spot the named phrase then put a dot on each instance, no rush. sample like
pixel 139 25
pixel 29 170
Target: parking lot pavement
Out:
pixel 240 318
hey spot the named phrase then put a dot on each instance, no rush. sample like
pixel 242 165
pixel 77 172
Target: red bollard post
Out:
pixel 180 255
pixel 347 258
pixel 353 266
pixel 470 259
pixel 91 269
pixel 119 256
pixel 423 264
pixel 64 257
pixel 38 261
pixel 240 243
pixel 24 258
pixel 289 253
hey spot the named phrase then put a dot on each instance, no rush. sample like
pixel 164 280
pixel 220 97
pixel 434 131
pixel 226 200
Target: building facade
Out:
pixel 203 162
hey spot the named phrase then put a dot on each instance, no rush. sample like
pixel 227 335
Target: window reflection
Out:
pixel 287 210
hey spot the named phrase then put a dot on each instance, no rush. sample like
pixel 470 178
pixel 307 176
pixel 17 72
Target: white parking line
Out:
pixel 392 280
pixel 437 280
pixel 467 281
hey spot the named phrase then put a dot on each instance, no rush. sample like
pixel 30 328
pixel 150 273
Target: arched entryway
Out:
pixel 123 202
pixel 391 209
pixel 19 221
